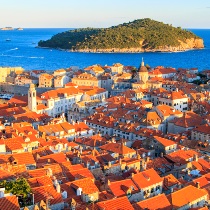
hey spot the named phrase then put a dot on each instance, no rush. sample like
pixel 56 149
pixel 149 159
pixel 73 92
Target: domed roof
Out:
pixel 85 97
pixel 142 68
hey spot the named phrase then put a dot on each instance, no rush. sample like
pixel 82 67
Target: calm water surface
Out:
pixel 22 51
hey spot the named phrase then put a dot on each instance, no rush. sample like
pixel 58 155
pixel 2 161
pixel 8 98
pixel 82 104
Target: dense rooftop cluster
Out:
pixel 105 138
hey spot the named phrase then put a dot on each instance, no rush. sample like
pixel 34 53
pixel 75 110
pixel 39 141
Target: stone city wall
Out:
pixel 19 90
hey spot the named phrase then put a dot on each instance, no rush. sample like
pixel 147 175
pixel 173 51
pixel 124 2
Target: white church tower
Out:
pixel 32 98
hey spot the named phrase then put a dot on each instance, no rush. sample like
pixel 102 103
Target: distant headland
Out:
pixel 10 29
pixel 142 35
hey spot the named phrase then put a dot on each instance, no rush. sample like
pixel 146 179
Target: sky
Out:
pixel 102 13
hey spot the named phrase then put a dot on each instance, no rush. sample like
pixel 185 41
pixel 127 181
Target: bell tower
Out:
pixel 32 98
pixel 143 72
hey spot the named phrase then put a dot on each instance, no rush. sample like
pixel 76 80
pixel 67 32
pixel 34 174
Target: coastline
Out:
pixel 113 51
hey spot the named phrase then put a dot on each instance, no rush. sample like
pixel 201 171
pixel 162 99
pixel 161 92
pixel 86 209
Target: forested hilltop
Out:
pixel 139 35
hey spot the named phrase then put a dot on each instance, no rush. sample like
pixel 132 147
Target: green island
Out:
pixel 142 35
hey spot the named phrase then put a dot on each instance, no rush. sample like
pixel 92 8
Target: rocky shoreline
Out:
pixel 189 44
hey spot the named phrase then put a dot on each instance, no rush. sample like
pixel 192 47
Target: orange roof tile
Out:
pixel 146 178
pixel 170 180
pixel 44 192
pixel 185 196
pixel 39 181
pixel 87 185
pixel 164 142
pixel 157 202
pixel 119 188
pixel 9 203
pixel 115 204
pixel 117 148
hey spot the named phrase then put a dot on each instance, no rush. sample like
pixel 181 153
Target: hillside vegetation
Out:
pixel 144 34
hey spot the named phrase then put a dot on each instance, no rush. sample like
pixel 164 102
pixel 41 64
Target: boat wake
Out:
pixel 12 49
pixel 36 57
pixel 21 56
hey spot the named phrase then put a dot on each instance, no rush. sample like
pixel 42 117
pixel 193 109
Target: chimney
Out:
pixel 55 182
pixel 109 164
pixel 33 198
pixel 198 185
pixel 108 182
pixel 161 154
pixel 195 157
pixel 80 149
pixel 147 159
pixel 172 190
pixel 64 194
pixel 49 172
pixel 120 161
pixel 88 164
pixel 144 166
pixel 179 186
pixel 2 192
pixel 79 191
pixel 58 188
pixel 93 152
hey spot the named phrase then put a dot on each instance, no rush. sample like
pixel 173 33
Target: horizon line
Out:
pixel 14 28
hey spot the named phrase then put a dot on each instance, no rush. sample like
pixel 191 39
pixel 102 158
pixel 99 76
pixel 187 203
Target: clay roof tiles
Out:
pixel 115 204
pixel 159 202
pixel 146 178
pixel 185 196
pixel 9 203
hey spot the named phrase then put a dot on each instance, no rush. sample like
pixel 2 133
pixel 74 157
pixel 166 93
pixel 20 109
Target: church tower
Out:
pixel 143 72
pixel 32 98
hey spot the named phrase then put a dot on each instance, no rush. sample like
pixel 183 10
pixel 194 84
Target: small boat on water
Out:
pixel 8 40
pixel 6 96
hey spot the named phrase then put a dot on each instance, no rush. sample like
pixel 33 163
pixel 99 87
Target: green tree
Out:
pixel 20 188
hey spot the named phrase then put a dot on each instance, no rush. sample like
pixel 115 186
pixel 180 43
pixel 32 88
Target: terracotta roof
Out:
pixel 168 110
pixel 189 119
pixel 202 129
pixel 9 203
pixel 37 172
pixel 170 180
pixel 4 175
pixel 52 158
pixel 120 188
pixel 158 202
pixel 115 204
pixel 44 192
pixel 79 174
pixel 164 142
pixel 117 148
pixel 39 181
pixel 25 158
pixel 185 196
pixel 181 156
pixel 147 178
pixel 86 184
pixel 203 181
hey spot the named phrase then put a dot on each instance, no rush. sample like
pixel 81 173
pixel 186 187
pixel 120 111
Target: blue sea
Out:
pixel 22 51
